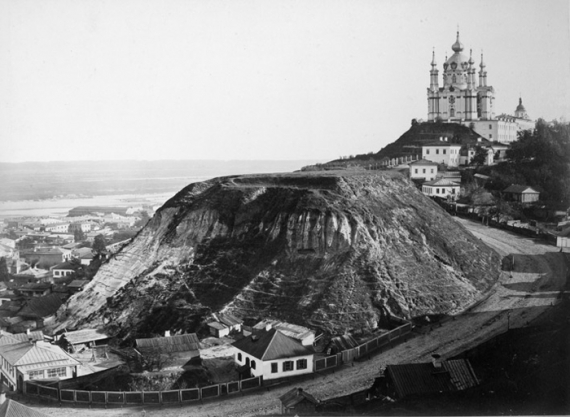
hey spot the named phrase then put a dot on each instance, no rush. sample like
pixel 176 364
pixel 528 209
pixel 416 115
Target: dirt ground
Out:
pixel 520 297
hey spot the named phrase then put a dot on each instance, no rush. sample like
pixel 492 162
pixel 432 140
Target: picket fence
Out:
pixel 349 355
pixel 182 396
pixel 141 397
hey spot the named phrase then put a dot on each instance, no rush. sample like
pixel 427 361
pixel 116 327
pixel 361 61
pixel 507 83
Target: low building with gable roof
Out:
pixel 423 169
pixel 30 360
pixel 521 193
pixel 273 355
pixel 442 188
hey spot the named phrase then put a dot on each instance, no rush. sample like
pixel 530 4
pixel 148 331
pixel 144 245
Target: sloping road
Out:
pixel 521 296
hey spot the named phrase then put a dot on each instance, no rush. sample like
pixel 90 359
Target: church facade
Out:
pixel 464 99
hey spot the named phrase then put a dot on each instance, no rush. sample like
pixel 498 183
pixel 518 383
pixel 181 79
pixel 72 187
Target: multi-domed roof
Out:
pixel 457 60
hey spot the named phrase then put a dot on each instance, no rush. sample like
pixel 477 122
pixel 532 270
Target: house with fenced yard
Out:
pixel 34 360
pixel 272 355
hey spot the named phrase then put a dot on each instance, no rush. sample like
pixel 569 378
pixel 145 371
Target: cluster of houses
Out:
pixel 446 184
pixel 44 265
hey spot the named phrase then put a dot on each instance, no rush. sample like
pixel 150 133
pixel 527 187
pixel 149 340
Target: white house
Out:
pixel 423 168
pixel 442 152
pixel 29 360
pixel 273 355
pixel 62 270
pixel 441 188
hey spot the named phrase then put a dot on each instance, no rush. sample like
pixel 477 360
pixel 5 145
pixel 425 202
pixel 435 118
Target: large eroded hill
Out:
pixel 331 250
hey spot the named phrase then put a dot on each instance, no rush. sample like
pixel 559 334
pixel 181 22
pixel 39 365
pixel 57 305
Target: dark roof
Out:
pixel 295 396
pixel 40 307
pixel 63 265
pixel 271 345
pixel 517 189
pixel 423 378
pixel 172 344
pixel 344 342
pixel 441 143
pixel 78 283
pixel 11 408
pixel 39 286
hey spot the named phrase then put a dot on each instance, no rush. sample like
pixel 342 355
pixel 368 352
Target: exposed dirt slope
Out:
pixel 331 250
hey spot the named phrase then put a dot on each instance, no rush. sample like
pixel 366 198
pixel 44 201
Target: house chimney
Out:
pixel 436 361
pixel 167 333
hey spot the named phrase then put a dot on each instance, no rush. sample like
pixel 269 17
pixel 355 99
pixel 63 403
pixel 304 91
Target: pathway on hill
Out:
pixel 521 296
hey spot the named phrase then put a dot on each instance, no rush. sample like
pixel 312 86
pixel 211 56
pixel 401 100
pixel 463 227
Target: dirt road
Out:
pixel 520 297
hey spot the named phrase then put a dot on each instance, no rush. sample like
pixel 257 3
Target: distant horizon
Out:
pixel 166 160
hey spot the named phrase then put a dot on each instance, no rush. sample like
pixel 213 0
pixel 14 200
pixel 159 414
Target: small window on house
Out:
pixel 301 363
pixel 432 170
pixel 427 151
pixel 490 136
pixel 36 374
pixel 490 127
pixel 444 151
pixel 437 151
pixel 287 366
pixel 424 171
pixel 274 368
pixel 437 190
pixel 55 372
pixel 253 365
pixel 239 357
pixel 247 361
pixel 416 171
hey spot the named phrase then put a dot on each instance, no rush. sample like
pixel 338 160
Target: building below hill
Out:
pixel 461 100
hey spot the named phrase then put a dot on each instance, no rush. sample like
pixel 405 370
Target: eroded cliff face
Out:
pixel 333 251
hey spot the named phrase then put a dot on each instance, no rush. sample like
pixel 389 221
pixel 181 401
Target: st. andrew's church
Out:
pixel 461 99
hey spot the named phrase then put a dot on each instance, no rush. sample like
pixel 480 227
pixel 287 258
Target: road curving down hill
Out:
pixel 520 297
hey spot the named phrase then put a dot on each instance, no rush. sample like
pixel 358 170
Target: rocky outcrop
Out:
pixel 335 251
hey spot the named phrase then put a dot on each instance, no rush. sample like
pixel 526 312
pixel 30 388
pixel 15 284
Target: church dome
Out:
pixel 520 107
pixel 458 60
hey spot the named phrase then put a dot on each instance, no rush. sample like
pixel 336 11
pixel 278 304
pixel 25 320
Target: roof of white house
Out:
pixel 442 183
pixel 518 189
pixel 38 355
pixel 423 162
pixel 271 345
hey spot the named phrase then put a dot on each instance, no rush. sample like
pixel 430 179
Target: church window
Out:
pixel 490 126
pixel 452 112
pixel 454 79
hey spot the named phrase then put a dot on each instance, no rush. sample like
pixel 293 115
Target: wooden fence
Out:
pixel 349 355
pixel 140 397
pixel 182 396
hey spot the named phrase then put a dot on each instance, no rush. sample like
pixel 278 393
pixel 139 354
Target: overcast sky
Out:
pixel 169 79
